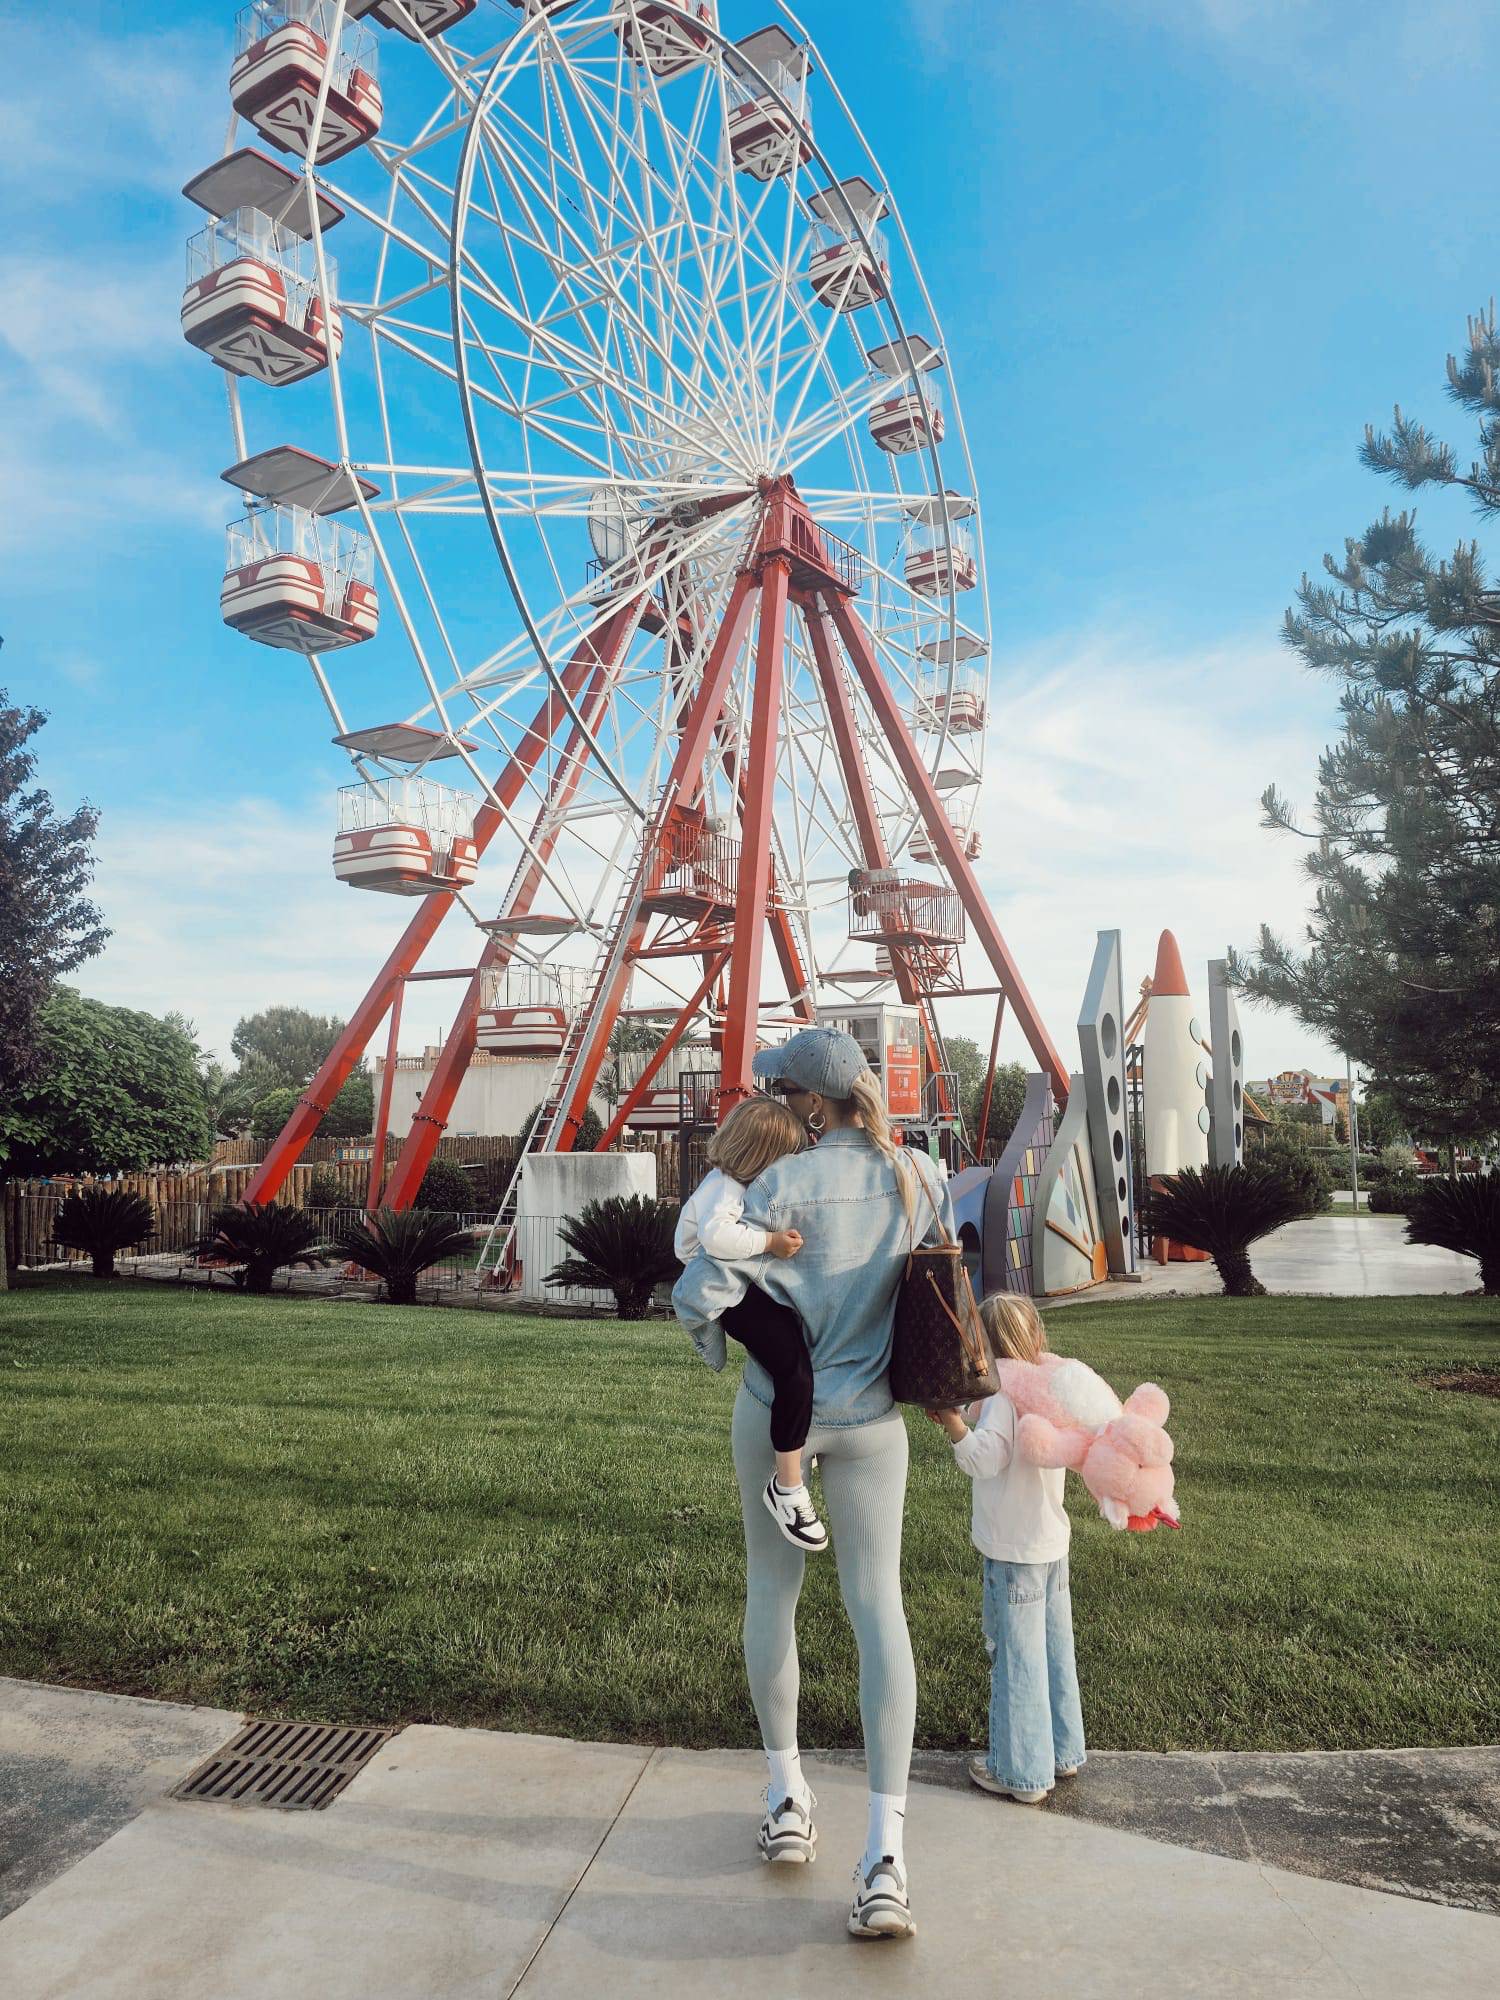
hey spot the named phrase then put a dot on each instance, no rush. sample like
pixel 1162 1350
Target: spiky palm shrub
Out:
pixel 398 1245
pixel 262 1237
pixel 622 1245
pixel 1223 1210
pixel 1462 1215
pixel 103 1221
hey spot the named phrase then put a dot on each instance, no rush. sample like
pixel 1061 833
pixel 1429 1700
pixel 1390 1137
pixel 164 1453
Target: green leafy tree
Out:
pixel 284 1044
pixel 971 1063
pixel 446 1189
pixel 326 1190
pixel 116 1091
pixel 589 1133
pixel 1307 1173
pixel 48 927
pixel 626 1038
pixel 1402 966
pixel 350 1116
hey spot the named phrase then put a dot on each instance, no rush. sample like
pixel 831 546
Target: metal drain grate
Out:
pixel 294 1766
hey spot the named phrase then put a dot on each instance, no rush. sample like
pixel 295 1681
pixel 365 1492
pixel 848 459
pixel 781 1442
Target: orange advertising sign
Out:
pixel 903 1080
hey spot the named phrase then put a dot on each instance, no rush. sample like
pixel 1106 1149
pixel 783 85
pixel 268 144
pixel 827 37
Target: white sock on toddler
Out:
pixel 885 1832
pixel 787 1781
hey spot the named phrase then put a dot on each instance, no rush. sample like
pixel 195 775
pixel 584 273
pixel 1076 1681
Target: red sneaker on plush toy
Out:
pixel 1070 1416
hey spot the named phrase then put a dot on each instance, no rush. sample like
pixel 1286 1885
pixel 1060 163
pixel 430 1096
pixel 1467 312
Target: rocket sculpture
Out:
pixel 1174 1085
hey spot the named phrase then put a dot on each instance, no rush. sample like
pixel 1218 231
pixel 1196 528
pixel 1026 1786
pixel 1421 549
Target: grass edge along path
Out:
pixel 294 1506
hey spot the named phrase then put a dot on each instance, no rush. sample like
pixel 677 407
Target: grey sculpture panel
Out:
pixel 1101 1040
pixel 1226 1088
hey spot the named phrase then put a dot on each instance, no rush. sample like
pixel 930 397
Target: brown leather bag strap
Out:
pixel 971 1347
pixel 937 1215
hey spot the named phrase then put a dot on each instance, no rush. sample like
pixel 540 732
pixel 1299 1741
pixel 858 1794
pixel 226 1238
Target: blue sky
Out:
pixel 1183 250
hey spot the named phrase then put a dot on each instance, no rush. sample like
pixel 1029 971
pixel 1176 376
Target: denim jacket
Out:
pixel 842 1283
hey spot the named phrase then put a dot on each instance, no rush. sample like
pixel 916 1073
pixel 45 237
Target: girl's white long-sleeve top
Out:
pixel 1018 1508
pixel 710 1220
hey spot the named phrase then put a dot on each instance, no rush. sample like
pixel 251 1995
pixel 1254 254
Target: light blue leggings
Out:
pixel 863 1469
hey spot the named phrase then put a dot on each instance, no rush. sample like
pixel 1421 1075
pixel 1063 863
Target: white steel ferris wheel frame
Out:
pixel 709 466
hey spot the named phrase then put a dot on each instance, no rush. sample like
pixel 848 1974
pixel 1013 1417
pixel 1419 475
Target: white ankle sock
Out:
pixel 790 1492
pixel 787 1781
pixel 885 1832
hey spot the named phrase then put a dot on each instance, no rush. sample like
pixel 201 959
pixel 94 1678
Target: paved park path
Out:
pixel 1342 1255
pixel 463 1863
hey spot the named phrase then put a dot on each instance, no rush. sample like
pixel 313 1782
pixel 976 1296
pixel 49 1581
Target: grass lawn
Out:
pixel 376 1514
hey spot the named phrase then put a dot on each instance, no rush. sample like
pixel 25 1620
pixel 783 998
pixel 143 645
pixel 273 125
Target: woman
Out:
pixel 859 1203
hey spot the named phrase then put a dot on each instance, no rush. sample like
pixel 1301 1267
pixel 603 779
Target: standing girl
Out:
pixel 1022 1530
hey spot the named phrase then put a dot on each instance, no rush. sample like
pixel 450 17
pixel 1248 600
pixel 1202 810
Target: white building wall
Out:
pixel 493 1101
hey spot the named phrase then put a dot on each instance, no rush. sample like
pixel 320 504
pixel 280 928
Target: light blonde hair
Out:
pixel 867 1098
pixel 758 1132
pixel 1014 1326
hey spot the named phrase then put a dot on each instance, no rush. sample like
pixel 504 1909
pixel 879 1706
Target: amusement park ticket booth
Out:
pixel 890 1035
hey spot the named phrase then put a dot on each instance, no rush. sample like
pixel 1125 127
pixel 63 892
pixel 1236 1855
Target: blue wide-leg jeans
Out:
pixel 1036 1718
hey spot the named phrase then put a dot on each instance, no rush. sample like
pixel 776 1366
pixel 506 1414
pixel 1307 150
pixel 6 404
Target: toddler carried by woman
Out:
pixel 1021 1529
pixel 757 1132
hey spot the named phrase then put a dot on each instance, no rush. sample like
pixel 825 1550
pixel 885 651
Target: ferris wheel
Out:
pixel 603 460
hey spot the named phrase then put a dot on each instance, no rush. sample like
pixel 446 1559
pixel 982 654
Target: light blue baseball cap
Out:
pixel 820 1059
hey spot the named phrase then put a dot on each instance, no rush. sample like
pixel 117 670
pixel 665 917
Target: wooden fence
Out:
pixel 185 1200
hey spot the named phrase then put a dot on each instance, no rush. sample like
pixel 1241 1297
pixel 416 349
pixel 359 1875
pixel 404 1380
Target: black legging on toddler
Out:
pixel 773 1334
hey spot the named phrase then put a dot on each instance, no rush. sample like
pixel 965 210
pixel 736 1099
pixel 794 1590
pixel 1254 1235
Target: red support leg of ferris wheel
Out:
pixel 430 1120
pixel 338 1065
pixel 754 886
pixel 862 804
pixel 684 782
pixel 945 843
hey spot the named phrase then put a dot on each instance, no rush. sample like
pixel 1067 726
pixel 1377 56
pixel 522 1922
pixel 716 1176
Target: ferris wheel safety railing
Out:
pixel 286 59
pixel 765 140
pixel 252 301
pixel 298 581
pixel 887 907
pixel 695 867
pixel 405 835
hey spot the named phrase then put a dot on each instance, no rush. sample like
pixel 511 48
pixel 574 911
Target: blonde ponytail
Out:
pixel 865 1096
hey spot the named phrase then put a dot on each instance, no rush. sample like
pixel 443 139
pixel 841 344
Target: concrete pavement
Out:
pixel 1328 1256
pixel 465 1863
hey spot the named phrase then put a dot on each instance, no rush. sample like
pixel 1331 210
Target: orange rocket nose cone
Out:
pixel 1169 977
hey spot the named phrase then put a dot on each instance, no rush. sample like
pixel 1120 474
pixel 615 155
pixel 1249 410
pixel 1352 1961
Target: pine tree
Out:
pixel 1402 969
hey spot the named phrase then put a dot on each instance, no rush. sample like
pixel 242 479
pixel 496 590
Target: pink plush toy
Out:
pixel 1069 1416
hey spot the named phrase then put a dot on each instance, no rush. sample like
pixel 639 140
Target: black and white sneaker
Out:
pixel 787 1833
pixel 794 1514
pixel 882 1908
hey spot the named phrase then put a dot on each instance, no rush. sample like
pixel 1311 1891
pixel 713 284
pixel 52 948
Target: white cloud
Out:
pixel 82 110
pixel 71 330
pixel 1121 792
pixel 221 908
pixel 97 133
